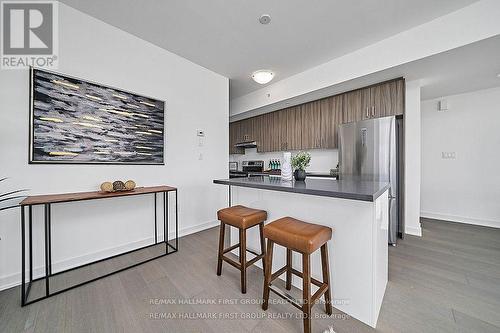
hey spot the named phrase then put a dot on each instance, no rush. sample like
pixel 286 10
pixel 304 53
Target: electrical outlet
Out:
pixel 448 155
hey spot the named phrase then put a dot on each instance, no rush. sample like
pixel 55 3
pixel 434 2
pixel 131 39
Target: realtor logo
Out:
pixel 29 35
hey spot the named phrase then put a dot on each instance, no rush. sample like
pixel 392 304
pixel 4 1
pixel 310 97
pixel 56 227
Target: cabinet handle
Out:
pixel 367 116
pixel 373 111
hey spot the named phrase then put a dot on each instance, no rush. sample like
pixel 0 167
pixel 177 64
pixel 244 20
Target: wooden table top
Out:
pixel 78 196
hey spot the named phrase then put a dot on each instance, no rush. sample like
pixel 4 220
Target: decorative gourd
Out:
pixel 129 185
pixel 118 185
pixel 107 187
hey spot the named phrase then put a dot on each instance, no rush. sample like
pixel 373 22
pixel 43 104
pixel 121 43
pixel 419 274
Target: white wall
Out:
pixel 322 160
pixel 196 98
pixel 412 125
pixel 467 188
pixel 467 25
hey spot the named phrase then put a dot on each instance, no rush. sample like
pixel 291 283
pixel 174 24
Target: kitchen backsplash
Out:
pixel 322 160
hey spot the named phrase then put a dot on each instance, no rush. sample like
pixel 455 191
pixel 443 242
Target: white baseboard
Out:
pixel 415 231
pixel 196 228
pixel 9 281
pixel 461 219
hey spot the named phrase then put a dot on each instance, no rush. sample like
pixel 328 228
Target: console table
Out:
pixel 48 200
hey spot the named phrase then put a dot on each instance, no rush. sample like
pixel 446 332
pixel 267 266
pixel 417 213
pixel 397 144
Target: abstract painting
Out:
pixel 77 121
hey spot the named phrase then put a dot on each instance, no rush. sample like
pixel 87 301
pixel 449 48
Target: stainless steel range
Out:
pixel 247 168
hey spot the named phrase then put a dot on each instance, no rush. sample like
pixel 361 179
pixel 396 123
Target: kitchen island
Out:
pixel 357 211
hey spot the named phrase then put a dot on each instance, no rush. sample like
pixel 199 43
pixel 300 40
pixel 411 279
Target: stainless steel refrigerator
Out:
pixel 369 150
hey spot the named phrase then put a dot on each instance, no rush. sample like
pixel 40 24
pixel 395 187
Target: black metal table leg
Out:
pixel 47 218
pixel 30 221
pixel 156 228
pixel 229 195
pixel 50 240
pixel 23 255
pixel 165 220
pixel 176 223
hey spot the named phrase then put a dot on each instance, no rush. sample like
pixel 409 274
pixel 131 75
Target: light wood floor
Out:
pixel 446 281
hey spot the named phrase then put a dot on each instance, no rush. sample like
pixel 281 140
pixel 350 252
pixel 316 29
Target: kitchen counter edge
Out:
pixel 308 191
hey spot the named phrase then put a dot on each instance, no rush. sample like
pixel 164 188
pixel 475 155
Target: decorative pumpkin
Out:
pixel 107 187
pixel 129 185
pixel 118 185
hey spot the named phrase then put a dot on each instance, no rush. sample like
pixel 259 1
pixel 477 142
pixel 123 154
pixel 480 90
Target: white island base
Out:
pixel 358 251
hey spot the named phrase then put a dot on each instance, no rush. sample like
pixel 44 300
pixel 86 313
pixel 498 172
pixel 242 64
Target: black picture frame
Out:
pixel 52 100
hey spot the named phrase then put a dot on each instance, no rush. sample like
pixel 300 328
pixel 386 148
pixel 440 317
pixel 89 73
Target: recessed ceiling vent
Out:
pixel 265 19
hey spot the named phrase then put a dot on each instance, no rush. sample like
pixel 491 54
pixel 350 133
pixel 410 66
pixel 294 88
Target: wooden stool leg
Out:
pixel 306 289
pixel 326 277
pixel 267 274
pixel 221 248
pixel 288 269
pixel 243 260
pixel 262 246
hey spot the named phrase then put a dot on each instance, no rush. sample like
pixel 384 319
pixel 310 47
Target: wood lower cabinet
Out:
pixel 315 124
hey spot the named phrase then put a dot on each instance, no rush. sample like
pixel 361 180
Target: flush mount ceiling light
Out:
pixel 262 76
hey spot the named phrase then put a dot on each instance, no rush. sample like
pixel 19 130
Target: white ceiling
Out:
pixel 226 37
pixel 464 69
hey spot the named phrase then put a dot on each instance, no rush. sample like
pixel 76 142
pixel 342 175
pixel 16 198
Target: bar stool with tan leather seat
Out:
pixel 243 218
pixel 304 238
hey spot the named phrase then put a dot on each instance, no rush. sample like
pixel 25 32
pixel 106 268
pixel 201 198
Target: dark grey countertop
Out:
pixel 345 189
pixel 309 174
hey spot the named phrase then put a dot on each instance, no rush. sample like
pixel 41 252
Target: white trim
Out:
pixel 196 228
pixel 9 281
pixel 415 231
pixel 461 219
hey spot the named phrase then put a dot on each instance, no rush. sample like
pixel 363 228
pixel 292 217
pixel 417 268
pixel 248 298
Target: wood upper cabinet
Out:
pixel 234 134
pixel 382 100
pixel 315 124
pixel 246 130
pixel 388 99
pixel 257 131
pixel 331 116
pixel 271 131
pixel 311 122
pixel 356 105
pixel 292 117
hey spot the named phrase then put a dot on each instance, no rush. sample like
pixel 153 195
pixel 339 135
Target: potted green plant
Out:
pixel 299 164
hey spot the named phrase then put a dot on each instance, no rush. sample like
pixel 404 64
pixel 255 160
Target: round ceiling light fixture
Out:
pixel 265 19
pixel 262 76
